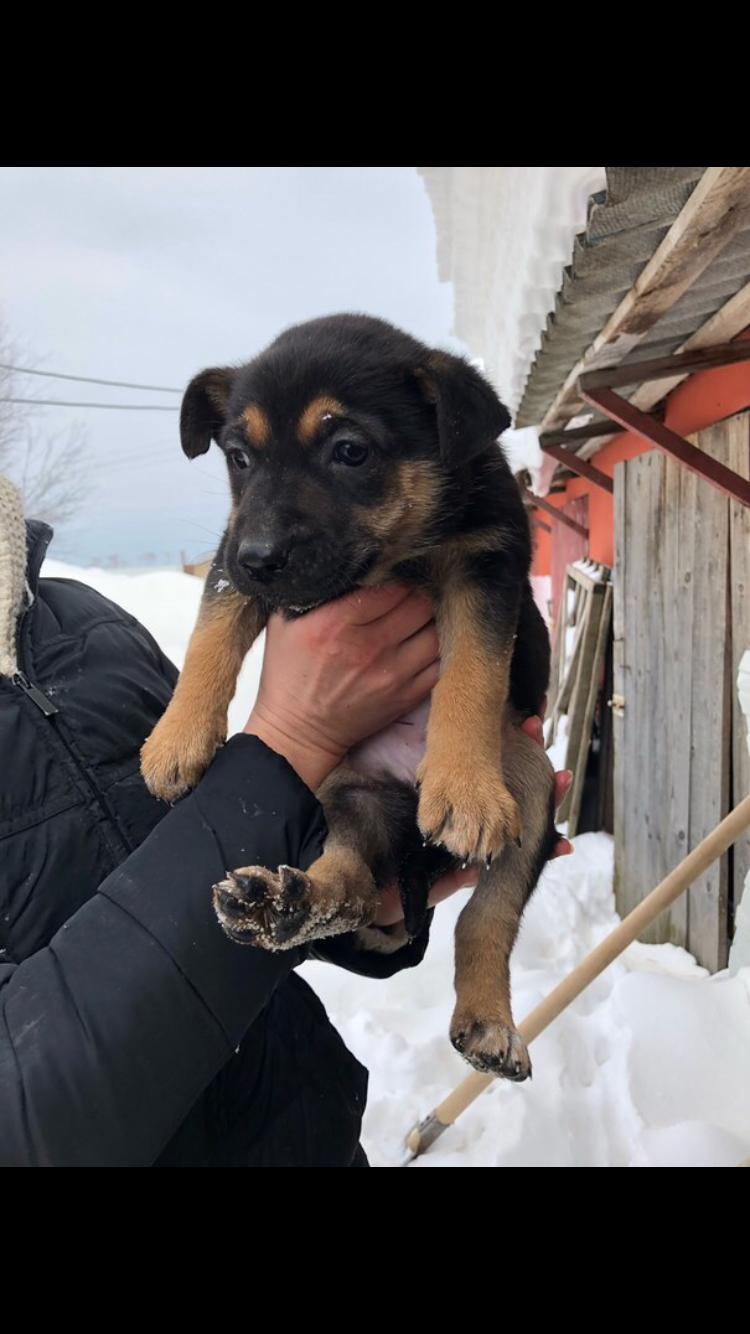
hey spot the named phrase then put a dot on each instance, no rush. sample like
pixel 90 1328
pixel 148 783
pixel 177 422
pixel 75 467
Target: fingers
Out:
pixel 365 605
pixel 420 651
pixel 533 728
pixel 389 907
pixel 563 781
pixel 421 685
pixel 407 618
pixel 461 878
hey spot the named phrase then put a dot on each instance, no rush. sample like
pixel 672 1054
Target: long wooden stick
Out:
pixel 678 880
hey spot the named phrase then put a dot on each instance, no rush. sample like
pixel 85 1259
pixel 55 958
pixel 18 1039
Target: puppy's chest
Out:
pixel 397 750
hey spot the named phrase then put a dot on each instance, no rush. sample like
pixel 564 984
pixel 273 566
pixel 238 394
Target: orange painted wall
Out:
pixel 700 401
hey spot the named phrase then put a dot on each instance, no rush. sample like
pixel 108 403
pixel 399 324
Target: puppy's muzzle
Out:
pixel 262 560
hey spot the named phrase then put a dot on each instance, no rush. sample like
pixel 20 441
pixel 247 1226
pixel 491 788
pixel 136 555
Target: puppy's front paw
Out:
pixel 272 909
pixel 491 1046
pixel 469 810
pixel 177 754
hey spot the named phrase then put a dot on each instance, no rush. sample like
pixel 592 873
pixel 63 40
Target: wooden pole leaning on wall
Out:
pixel 675 884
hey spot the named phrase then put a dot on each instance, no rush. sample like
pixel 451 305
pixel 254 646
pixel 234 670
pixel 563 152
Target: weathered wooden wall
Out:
pixel 681 624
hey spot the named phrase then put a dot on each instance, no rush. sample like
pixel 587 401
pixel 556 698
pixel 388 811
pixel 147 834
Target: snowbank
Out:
pixel 649 1068
pixel 166 602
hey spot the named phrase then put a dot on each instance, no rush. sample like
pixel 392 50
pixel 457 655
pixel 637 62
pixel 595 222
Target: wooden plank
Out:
pixel 715 211
pixel 645 772
pixel 620 682
pixel 590 685
pixel 677 364
pixel 556 513
pixel 571 460
pixel 578 740
pixel 578 621
pixel 575 434
pixel 584 580
pixel 635 776
pixel 580 584
pixel 739 582
pixel 651 745
pixel 675 651
pixel 605 791
pixel 711 702
pixel 562 622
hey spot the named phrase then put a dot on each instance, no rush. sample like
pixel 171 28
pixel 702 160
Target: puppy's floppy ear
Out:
pixel 204 409
pixel 470 415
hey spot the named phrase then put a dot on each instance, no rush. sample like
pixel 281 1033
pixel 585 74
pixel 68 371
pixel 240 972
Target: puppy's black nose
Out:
pixel 262 560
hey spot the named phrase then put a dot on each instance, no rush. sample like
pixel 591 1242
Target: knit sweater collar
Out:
pixel 19 543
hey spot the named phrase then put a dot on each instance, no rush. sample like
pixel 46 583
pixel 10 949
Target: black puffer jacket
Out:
pixel 132 1032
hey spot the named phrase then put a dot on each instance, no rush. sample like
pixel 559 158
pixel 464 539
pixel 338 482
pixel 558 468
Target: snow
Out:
pixel 650 1067
pixel 522 450
pixel 503 292
pixel 166 602
pixel 558 750
pixel 590 568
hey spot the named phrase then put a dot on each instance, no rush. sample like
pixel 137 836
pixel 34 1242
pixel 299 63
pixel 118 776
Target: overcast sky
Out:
pixel 151 273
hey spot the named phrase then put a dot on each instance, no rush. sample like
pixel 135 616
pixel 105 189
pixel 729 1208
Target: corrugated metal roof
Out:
pixel 504 236
pixel 625 225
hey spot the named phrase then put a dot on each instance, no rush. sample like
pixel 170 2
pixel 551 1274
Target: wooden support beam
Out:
pixel 539 523
pixel 718 207
pixel 656 433
pixel 575 434
pixel 572 461
pixel 678 365
pixel 538 503
pixel 729 321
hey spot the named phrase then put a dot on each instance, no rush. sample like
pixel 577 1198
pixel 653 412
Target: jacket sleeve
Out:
pixel 346 952
pixel 110 1034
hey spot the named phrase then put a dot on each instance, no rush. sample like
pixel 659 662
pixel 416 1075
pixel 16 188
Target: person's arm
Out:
pixel 110 1034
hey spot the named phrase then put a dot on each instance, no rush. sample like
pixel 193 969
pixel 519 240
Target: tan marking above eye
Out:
pixel 256 426
pixel 316 412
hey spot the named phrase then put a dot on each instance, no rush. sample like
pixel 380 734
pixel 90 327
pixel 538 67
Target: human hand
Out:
pixel 390 909
pixel 340 673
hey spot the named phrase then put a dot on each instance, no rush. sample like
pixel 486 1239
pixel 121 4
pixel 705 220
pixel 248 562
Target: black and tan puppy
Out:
pixel 357 455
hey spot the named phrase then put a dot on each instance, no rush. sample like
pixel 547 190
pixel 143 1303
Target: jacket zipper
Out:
pixel 46 707
pixel 35 694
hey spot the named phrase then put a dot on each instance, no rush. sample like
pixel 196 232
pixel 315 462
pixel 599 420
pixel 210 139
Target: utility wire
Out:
pixel 89 379
pixel 68 403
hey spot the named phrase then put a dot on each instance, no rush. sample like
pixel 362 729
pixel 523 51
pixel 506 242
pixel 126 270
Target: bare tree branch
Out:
pixel 51 471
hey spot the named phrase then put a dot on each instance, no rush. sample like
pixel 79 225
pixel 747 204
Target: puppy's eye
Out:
pixel 351 452
pixel 238 458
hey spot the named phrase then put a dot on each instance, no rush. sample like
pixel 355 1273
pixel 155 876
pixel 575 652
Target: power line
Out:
pixel 89 379
pixel 68 403
pixel 171 457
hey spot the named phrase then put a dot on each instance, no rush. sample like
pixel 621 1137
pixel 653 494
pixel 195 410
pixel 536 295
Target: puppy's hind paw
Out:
pixel 492 1048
